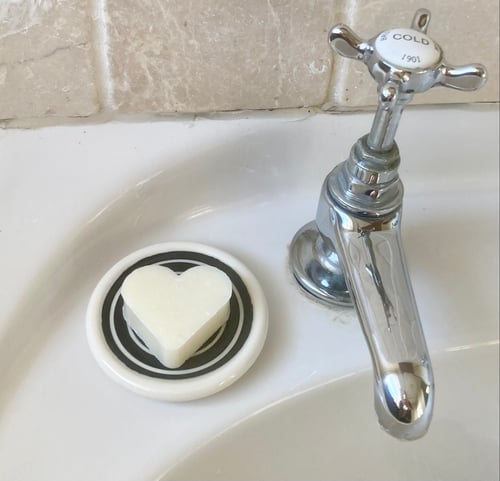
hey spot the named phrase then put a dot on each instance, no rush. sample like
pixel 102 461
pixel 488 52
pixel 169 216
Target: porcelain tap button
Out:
pixel 408 49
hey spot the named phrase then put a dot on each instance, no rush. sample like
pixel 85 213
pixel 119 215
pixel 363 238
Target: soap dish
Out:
pixel 222 359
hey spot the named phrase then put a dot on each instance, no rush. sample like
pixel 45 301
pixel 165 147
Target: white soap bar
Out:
pixel 175 314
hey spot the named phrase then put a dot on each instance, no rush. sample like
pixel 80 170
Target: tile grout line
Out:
pixel 100 45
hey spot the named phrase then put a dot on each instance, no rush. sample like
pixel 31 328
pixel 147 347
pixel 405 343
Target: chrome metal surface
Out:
pixel 316 267
pixel 352 252
pixel 421 20
pixel 373 257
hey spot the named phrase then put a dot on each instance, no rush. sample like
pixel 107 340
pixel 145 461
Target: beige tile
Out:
pixel 217 55
pixel 467 31
pixel 46 60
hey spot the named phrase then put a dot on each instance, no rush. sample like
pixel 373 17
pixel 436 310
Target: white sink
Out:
pixel 328 433
pixel 74 200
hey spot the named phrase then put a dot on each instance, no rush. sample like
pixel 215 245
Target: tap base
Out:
pixel 317 269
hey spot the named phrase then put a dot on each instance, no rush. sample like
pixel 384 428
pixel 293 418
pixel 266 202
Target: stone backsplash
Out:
pixel 65 59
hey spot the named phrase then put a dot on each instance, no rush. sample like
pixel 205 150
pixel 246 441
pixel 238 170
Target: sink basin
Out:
pixel 75 200
pixel 328 433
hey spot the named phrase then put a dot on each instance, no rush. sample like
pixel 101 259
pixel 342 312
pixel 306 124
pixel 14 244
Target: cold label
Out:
pixel 407 48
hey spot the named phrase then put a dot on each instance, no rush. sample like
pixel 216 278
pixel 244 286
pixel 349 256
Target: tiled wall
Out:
pixel 82 58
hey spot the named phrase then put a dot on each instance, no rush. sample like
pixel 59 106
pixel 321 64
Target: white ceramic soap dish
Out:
pixel 223 359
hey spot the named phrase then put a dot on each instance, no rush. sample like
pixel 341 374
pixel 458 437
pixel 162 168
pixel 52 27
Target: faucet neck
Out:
pixel 386 121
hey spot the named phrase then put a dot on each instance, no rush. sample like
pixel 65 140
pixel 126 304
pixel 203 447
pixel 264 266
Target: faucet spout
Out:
pixel 372 256
pixel 353 253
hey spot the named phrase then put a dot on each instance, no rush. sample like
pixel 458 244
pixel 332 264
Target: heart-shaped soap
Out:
pixel 175 314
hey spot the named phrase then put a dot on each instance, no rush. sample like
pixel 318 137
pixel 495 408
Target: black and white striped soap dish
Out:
pixel 218 363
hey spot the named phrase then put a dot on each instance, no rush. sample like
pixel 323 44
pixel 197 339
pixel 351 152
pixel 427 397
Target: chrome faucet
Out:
pixel 352 252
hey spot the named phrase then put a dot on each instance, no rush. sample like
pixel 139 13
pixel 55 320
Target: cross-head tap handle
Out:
pixel 403 62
